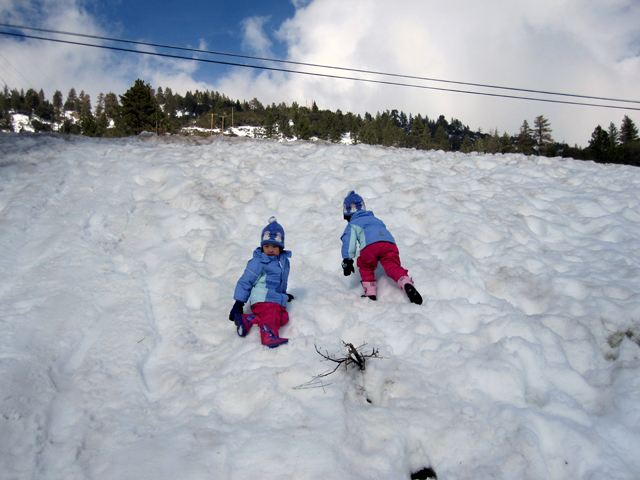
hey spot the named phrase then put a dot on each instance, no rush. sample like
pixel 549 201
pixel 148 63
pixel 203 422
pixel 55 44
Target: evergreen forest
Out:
pixel 143 108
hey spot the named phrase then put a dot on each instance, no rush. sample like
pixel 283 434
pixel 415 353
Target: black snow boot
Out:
pixel 412 293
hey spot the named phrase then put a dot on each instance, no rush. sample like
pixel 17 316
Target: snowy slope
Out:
pixel 120 257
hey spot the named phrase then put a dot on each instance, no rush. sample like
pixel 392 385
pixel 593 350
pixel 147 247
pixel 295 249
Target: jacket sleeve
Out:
pixel 285 276
pixel 350 241
pixel 247 280
pixel 346 240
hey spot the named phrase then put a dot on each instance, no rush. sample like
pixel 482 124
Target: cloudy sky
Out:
pixel 579 47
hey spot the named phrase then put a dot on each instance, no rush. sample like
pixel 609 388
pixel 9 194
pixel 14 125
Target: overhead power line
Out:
pixel 290 62
pixel 16 70
pixel 315 74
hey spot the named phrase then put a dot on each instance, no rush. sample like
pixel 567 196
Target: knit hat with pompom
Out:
pixel 352 203
pixel 273 233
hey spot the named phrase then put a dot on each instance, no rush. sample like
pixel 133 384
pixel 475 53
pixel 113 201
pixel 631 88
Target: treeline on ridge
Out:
pixel 143 108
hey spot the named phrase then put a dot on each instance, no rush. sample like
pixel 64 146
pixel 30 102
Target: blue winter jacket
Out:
pixel 264 279
pixel 363 229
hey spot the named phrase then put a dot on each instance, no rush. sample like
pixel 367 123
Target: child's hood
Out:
pixel 362 213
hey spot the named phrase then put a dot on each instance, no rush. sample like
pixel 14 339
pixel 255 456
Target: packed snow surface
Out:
pixel 118 361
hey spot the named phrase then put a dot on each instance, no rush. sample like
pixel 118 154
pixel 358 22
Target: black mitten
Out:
pixel 237 308
pixel 291 297
pixel 347 266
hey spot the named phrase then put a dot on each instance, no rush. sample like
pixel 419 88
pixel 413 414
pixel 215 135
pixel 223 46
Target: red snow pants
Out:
pixel 271 315
pixel 387 254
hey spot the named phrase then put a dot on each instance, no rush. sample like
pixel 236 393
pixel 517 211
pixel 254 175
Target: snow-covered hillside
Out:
pixel 118 361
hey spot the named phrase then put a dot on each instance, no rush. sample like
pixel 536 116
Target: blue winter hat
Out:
pixel 273 233
pixel 352 203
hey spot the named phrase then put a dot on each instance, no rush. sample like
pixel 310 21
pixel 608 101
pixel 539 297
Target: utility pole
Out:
pixel 222 117
pixel 211 123
pixel 232 124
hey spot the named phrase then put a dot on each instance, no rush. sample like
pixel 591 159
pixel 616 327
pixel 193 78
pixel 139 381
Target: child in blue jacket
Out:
pixel 376 245
pixel 264 283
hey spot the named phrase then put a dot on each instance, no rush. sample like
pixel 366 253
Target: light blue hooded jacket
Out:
pixel 363 229
pixel 265 279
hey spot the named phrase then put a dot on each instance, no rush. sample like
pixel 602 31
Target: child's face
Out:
pixel 270 250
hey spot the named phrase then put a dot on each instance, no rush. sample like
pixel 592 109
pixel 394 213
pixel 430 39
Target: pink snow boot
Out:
pixel 369 289
pixel 244 323
pixel 270 338
pixel 406 285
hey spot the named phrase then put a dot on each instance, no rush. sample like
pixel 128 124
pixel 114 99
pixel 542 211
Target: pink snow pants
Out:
pixel 387 254
pixel 270 314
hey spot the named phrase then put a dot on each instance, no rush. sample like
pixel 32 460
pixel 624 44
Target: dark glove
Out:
pixel 237 308
pixel 291 297
pixel 347 266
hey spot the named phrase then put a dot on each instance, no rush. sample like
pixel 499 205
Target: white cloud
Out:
pixel 57 66
pixel 255 39
pixel 573 46
pixel 300 3
pixel 46 65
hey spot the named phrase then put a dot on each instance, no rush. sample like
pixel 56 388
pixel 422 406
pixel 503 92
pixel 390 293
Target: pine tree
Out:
pixel 31 101
pixel 614 135
pixel 442 121
pixel 89 126
pixel 270 123
pixel 170 103
pixel 85 105
pixel 506 144
pixel 628 131
pixel 6 98
pixel 111 105
pixel 71 100
pixel 336 125
pixel 139 110
pixel 77 104
pixel 5 107
pixel 404 123
pixel 467 145
pixel 255 104
pixel 301 126
pixel 526 142
pixel 44 110
pixel 160 96
pixel 629 150
pixel 441 138
pixel 600 145
pixel 542 133
pixel 17 100
pixel 57 102
pixel 390 134
pixel 284 125
pixel 417 127
pixel 492 140
pixel 367 134
pixel 100 105
pixel 419 136
pixel 3 101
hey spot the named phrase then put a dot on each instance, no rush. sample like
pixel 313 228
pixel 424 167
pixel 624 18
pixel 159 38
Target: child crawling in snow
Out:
pixel 264 282
pixel 376 245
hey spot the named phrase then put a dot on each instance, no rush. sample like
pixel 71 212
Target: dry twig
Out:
pixel 354 356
